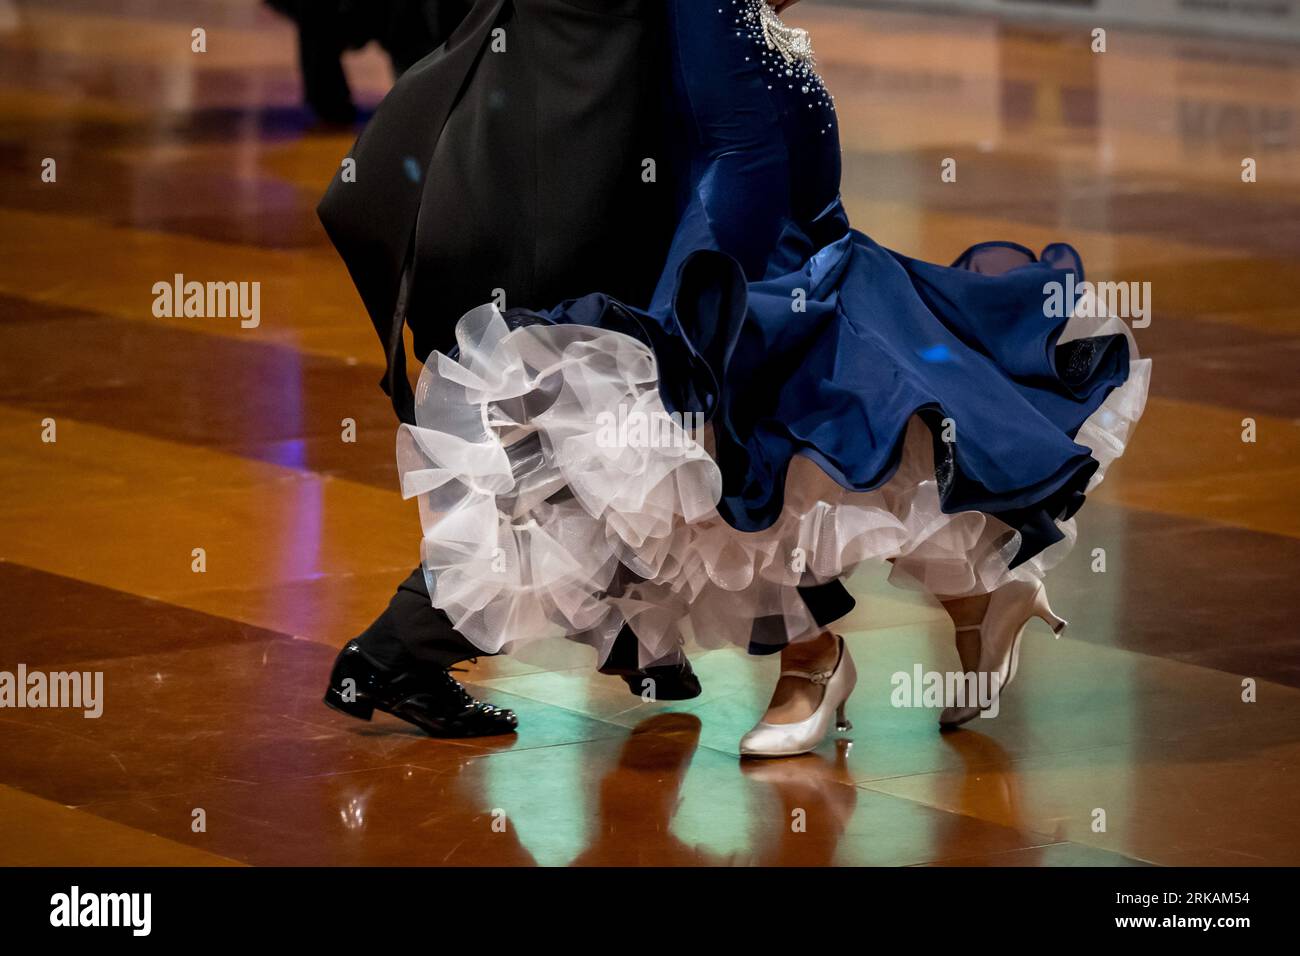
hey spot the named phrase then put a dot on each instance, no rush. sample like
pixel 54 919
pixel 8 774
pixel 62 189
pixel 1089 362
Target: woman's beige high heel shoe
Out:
pixel 1008 613
pixel 786 740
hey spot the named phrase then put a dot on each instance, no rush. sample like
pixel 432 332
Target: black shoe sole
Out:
pixel 364 709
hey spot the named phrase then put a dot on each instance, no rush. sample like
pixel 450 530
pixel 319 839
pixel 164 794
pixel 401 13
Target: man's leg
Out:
pixel 411 633
pixel 668 680
pixel 399 665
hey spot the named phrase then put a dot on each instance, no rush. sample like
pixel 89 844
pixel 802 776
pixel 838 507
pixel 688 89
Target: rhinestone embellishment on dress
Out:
pixel 786 52
pixel 793 43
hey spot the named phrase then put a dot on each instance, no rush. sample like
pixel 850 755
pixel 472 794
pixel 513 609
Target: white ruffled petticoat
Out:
pixel 540 520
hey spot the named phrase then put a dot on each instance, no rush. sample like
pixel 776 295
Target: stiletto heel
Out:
pixel 786 740
pixel 1009 611
pixel 1043 610
pixel 842 723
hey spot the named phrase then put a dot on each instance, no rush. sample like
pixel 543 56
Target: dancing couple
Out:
pixel 594 208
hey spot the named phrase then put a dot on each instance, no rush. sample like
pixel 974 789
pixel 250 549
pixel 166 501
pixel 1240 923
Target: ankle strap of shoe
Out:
pixel 817 677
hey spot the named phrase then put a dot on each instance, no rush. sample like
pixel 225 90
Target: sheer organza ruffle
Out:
pixel 558 497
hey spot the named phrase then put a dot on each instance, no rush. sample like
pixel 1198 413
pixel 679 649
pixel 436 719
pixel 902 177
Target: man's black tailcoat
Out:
pixel 511 158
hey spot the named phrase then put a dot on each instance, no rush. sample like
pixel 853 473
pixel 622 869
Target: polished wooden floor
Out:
pixel 176 434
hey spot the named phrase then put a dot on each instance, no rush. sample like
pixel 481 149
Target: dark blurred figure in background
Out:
pixel 407 30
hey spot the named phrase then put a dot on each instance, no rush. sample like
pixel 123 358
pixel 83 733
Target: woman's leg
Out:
pixel 795 698
pixel 988 628
pixel 966 613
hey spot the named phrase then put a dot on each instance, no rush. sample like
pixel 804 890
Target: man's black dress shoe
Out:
pixel 432 699
pixel 672 681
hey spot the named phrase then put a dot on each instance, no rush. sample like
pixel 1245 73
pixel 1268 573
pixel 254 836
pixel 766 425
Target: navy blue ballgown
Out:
pixel 797 399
